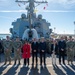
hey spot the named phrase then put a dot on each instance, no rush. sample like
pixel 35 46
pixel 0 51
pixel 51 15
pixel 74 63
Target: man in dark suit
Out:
pixel 42 47
pixel 0 50
pixel 62 49
pixel 0 46
pixel 34 47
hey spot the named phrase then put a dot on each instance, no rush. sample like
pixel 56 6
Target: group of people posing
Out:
pixel 25 49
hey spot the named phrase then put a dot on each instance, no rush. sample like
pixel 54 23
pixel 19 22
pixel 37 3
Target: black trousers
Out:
pixel 42 58
pixel 34 55
pixel 26 61
pixel 62 55
pixel 0 56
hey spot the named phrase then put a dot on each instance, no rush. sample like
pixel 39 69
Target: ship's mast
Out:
pixel 31 7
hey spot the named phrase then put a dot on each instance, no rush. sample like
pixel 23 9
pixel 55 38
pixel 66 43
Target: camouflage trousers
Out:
pixel 70 57
pixel 7 56
pixel 17 56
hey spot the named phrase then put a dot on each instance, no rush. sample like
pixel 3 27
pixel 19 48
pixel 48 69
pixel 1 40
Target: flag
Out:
pixel 47 4
pixel 44 8
pixel 19 5
pixel 24 3
pixel 35 10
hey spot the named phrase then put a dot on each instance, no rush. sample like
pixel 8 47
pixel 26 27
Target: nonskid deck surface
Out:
pixel 49 69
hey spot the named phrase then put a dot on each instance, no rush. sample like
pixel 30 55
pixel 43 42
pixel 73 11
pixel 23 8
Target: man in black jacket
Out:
pixel 0 50
pixel 42 47
pixel 62 49
pixel 34 46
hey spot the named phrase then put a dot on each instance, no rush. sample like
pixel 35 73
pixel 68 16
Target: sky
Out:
pixel 59 13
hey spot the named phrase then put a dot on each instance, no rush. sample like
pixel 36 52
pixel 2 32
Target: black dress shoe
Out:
pixel 60 63
pixel 19 63
pixel 64 63
pixel 5 63
pixel 44 63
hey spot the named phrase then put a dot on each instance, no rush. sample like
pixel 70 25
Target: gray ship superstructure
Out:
pixel 30 24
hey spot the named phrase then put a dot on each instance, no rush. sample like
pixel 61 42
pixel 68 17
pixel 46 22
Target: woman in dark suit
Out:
pixel 54 50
